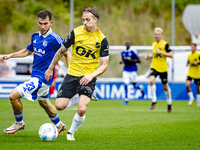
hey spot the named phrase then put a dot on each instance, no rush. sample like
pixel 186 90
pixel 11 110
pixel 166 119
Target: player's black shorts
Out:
pixel 163 75
pixel 71 86
pixel 196 81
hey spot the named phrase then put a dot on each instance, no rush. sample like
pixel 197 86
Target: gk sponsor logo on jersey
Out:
pixel 157 55
pixel 86 53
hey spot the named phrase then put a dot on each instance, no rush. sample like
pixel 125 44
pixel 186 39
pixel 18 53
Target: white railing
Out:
pixel 117 49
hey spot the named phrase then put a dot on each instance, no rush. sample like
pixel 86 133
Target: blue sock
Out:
pixel 126 91
pixel 55 119
pixel 18 117
pixel 137 87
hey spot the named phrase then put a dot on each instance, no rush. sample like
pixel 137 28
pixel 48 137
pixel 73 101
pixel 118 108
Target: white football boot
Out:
pixel 70 137
pixel 15 127
pixel 190 101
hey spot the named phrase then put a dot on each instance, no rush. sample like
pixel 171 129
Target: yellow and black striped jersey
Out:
pixel 159 62
pixel 194 70
pixel 87 47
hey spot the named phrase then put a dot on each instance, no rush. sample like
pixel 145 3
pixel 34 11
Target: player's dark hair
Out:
pixel 128 42
pixel 44 14
pixel 194 44
pixel 92 10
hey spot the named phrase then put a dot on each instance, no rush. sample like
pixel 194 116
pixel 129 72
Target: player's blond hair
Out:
pixel 158 29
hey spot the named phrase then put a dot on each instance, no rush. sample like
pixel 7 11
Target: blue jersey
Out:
pixel 44 48
pixel 131 54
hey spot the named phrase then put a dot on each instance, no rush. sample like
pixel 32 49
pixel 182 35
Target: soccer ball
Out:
pixel 48 132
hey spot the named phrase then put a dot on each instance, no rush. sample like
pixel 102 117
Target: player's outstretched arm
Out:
pixel 103 67
pixel 49 72
pixel 21 53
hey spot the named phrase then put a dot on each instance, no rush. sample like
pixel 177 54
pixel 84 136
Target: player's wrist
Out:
pixel 51 68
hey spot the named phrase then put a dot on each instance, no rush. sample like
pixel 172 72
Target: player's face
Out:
pixel 157 35
pixel 89 21
pixel 44 25
pixel 128 45
pixel 193 47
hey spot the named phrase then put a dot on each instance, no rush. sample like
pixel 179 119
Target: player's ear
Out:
pixel 96 20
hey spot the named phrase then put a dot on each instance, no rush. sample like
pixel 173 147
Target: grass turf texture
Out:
pixel 108 125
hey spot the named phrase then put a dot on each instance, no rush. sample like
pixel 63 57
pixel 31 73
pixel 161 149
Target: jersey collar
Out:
pixel 45 35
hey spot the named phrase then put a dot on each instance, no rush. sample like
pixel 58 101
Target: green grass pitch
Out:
pixel 109 126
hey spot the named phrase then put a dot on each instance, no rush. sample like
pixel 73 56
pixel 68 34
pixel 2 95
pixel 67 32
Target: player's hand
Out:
pixel 121 62
pixel 158 51
pixel 85 80
pixel 5 57
pixel 195 63
pixel 48 74
pixel 147 57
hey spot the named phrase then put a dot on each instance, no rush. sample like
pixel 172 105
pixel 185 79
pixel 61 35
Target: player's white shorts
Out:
pixel 129 77
pixel 34 89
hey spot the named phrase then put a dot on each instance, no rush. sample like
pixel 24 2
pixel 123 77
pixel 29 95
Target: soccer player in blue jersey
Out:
pixel 44 44
pixel 130 58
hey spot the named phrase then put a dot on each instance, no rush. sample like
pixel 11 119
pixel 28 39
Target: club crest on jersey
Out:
pixel 44 43
pixel 97 45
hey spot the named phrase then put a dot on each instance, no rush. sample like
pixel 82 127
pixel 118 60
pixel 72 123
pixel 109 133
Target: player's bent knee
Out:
pixel 187 85
pixel 12 96
pixel 81 112
pixel 60 105
pixel 151 83
pixel 12 101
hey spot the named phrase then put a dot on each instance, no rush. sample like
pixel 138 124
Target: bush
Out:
pixel 23 23
pixel 32 8
pixel 6 10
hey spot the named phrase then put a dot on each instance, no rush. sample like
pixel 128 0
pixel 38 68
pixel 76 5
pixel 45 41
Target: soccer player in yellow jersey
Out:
pixel 193 73
pixel 159 67
pixel 89 45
